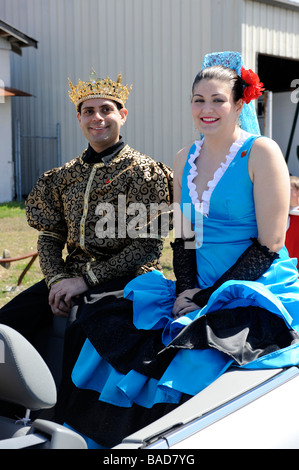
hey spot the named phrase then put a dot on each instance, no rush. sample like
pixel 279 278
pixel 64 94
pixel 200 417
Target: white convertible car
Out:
pixel 242 409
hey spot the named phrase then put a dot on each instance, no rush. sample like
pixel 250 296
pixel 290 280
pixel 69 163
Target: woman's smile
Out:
pixel 209 120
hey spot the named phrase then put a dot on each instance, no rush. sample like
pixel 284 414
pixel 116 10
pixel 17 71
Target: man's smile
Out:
pixel 100 128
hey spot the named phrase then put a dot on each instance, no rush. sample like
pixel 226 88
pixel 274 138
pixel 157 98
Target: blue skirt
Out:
pixel 191 369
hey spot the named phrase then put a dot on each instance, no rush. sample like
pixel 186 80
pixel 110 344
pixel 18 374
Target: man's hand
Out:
pixel 184 304
pixel 62 294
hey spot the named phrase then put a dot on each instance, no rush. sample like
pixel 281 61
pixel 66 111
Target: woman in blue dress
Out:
pixel 235 302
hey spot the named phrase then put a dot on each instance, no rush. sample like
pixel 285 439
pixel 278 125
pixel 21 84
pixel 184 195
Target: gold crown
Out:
pixel 99 88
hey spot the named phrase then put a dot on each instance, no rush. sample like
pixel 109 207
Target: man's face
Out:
pixel 100 121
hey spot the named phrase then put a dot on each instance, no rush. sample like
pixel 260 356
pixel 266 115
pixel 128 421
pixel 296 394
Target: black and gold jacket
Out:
pixel 81 206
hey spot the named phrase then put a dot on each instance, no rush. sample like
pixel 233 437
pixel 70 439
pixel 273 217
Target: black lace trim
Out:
pixel 254 262
pixel 184 263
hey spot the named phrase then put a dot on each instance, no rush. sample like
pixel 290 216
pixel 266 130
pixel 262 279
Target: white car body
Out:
pixel 243 409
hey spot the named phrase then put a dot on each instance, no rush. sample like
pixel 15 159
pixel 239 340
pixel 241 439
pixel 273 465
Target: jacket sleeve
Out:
pixel 45 213
pixel 140 256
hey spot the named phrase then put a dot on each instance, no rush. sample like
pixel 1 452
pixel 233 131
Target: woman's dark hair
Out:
pixel 225 74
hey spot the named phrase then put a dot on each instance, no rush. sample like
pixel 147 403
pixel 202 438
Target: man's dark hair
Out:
pixel 119 106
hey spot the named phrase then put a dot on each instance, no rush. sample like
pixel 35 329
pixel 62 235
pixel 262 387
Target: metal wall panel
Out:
pixel 269 30
pixel 158 45
pixel 275 31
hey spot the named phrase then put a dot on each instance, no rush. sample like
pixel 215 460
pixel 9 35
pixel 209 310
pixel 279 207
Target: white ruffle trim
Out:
pixel 204 205
pixel 294 210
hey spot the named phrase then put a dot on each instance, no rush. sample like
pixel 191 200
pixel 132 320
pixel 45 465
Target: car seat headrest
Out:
pixel 25 379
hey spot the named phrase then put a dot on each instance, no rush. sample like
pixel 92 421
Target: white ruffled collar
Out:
pixel 294 210
pixel 204 205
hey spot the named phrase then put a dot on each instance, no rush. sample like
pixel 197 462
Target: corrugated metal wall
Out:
pixel 269 30
pixel 275 31
pixel 158 45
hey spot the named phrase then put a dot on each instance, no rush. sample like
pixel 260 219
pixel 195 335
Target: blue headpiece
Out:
pixel 233 60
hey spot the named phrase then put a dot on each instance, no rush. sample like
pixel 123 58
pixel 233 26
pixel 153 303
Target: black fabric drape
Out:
pixel 243 333
pixel 111 331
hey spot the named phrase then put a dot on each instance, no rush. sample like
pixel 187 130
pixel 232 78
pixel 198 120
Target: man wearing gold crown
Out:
pixel 67 204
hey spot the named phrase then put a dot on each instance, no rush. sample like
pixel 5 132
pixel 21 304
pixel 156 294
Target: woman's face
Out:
pixel 213 107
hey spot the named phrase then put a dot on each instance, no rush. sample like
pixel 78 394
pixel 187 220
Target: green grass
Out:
pixel 12 209
pixel 17 237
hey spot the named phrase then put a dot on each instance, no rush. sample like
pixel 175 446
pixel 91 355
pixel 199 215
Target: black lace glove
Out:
pixel 255 260
pixel 184 263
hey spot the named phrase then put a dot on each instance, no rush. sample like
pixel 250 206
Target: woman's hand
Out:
pixel 184 304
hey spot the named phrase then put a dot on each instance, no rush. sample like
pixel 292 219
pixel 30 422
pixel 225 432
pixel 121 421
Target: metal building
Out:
pixel 158 45
pixel 11 41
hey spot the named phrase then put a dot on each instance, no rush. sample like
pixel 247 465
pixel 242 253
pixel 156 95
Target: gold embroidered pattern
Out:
pixel 91 275
pixel 53 235
pixel 63 206
pixel 85 208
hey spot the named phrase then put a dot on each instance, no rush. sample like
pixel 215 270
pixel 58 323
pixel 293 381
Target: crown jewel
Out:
pixel 99 88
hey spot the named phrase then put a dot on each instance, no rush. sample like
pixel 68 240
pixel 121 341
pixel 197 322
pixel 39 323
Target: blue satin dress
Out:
pixel 222 235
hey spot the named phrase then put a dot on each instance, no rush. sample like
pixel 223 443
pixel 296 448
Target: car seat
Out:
pixel 26 380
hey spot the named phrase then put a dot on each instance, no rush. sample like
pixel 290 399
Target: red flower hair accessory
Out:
pixel 253 87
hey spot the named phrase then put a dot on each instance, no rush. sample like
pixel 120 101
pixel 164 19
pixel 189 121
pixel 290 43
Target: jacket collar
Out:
pixel 91 156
